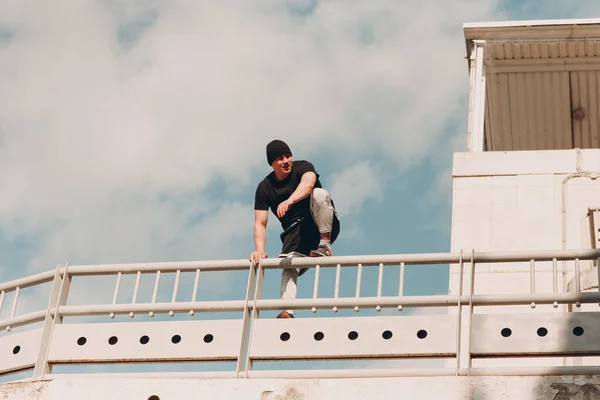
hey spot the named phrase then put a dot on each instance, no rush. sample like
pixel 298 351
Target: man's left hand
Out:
pixel 283 208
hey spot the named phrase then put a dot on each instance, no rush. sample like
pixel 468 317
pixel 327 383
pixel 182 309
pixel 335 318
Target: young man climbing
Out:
pixel 305 210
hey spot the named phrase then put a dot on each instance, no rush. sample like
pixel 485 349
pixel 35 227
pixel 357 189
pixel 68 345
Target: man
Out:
pixel 305 210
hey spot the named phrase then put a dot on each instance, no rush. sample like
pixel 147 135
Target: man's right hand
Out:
pixel 257 256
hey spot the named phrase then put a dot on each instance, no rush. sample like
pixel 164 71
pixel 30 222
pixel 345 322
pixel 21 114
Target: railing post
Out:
pixel 58 297
pixel 470 332
pixel 250 289
pixel 260 275
pixel 466 328
pixel 459 313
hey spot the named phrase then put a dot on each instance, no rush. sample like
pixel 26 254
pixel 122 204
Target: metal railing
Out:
pixel 245 340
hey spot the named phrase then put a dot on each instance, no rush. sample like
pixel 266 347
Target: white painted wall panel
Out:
pixel 274 339
pixel 19 350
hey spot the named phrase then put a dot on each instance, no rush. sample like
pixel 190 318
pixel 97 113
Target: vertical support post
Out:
pixel 195 290
pixel 245 318
pixel 316 282
pixel 136 288
pixel 459 311
pixel 380 280
pixel 466 328
pixel 471 292
pixel 260 276
pixel 176 286
pixel 58 297
pixel 554 276
pixel 532 276
pixel 401 283
pixel 476 98
pixel 577 276
pixel 15 302
pixel 156 284
pixel 116 292
pixel 358 280
pixel 336 291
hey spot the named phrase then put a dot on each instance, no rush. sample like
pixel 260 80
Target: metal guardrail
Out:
pixel 251 339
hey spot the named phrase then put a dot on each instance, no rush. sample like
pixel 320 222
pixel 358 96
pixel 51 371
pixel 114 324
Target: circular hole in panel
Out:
pixel 154 397
pixel 422 334
pixel 353 335
pixel 284 336
pixel 578 331
pixel 319 336
pixel 17 349
pixel 387 335
pixel 144 339
pixel 81 341
pixel 113 340
pixel 506 332
pixel 176 339
pixel 208 338
pixel 542 331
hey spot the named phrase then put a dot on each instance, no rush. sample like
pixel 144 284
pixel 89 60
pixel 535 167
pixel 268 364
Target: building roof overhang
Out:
pixel 538 84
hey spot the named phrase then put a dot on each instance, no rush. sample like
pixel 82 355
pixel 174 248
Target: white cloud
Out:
pixel 355 185
pixel 115 117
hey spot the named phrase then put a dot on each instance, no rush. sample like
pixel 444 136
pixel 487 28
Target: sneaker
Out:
pixel 285 314
pixel 322 251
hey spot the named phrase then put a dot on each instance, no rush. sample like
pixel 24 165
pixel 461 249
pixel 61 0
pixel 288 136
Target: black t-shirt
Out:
pixel 272 192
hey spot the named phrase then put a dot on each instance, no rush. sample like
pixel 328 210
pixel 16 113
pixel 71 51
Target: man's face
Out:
pixel 282 165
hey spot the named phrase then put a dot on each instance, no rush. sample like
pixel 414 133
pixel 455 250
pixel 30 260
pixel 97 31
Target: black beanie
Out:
pixel 275 149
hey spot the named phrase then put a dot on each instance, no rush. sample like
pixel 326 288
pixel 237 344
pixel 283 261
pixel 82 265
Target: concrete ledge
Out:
pixel 446 388
pixel 524 162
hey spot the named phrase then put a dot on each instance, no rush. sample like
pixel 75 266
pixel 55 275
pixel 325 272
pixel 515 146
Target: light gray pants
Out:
pixel 322 212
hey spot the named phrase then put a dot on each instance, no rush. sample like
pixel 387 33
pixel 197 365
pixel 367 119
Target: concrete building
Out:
pixel 528 180
pixel 522 326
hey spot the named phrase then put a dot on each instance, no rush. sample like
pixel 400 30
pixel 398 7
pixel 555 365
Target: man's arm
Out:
pixel 260 234
pixel 304 189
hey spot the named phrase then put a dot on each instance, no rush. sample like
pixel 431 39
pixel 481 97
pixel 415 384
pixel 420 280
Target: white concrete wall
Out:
pixel 512 201
pixel 439 388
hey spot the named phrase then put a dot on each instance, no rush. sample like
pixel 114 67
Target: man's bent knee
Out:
pixel 320 196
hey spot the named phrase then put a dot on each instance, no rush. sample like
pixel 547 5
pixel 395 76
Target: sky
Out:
pixel 136 131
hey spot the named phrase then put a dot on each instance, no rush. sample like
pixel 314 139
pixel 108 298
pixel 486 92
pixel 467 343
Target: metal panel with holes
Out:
pixel 531 334
pixel 19 350
pixel 146 341
pixel 361 337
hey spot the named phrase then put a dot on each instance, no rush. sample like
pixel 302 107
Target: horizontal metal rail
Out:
pixel 149 375
pixel 240 264
pixel 537 298
pixel 429 301
pixel 374 260
pixel 432 259
pixel 27 281
pixel 542 255
pixel 22 320
pixel 351 373
pixel 111 269
pixel 156 308
pixel 533 371
pixel 350 302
